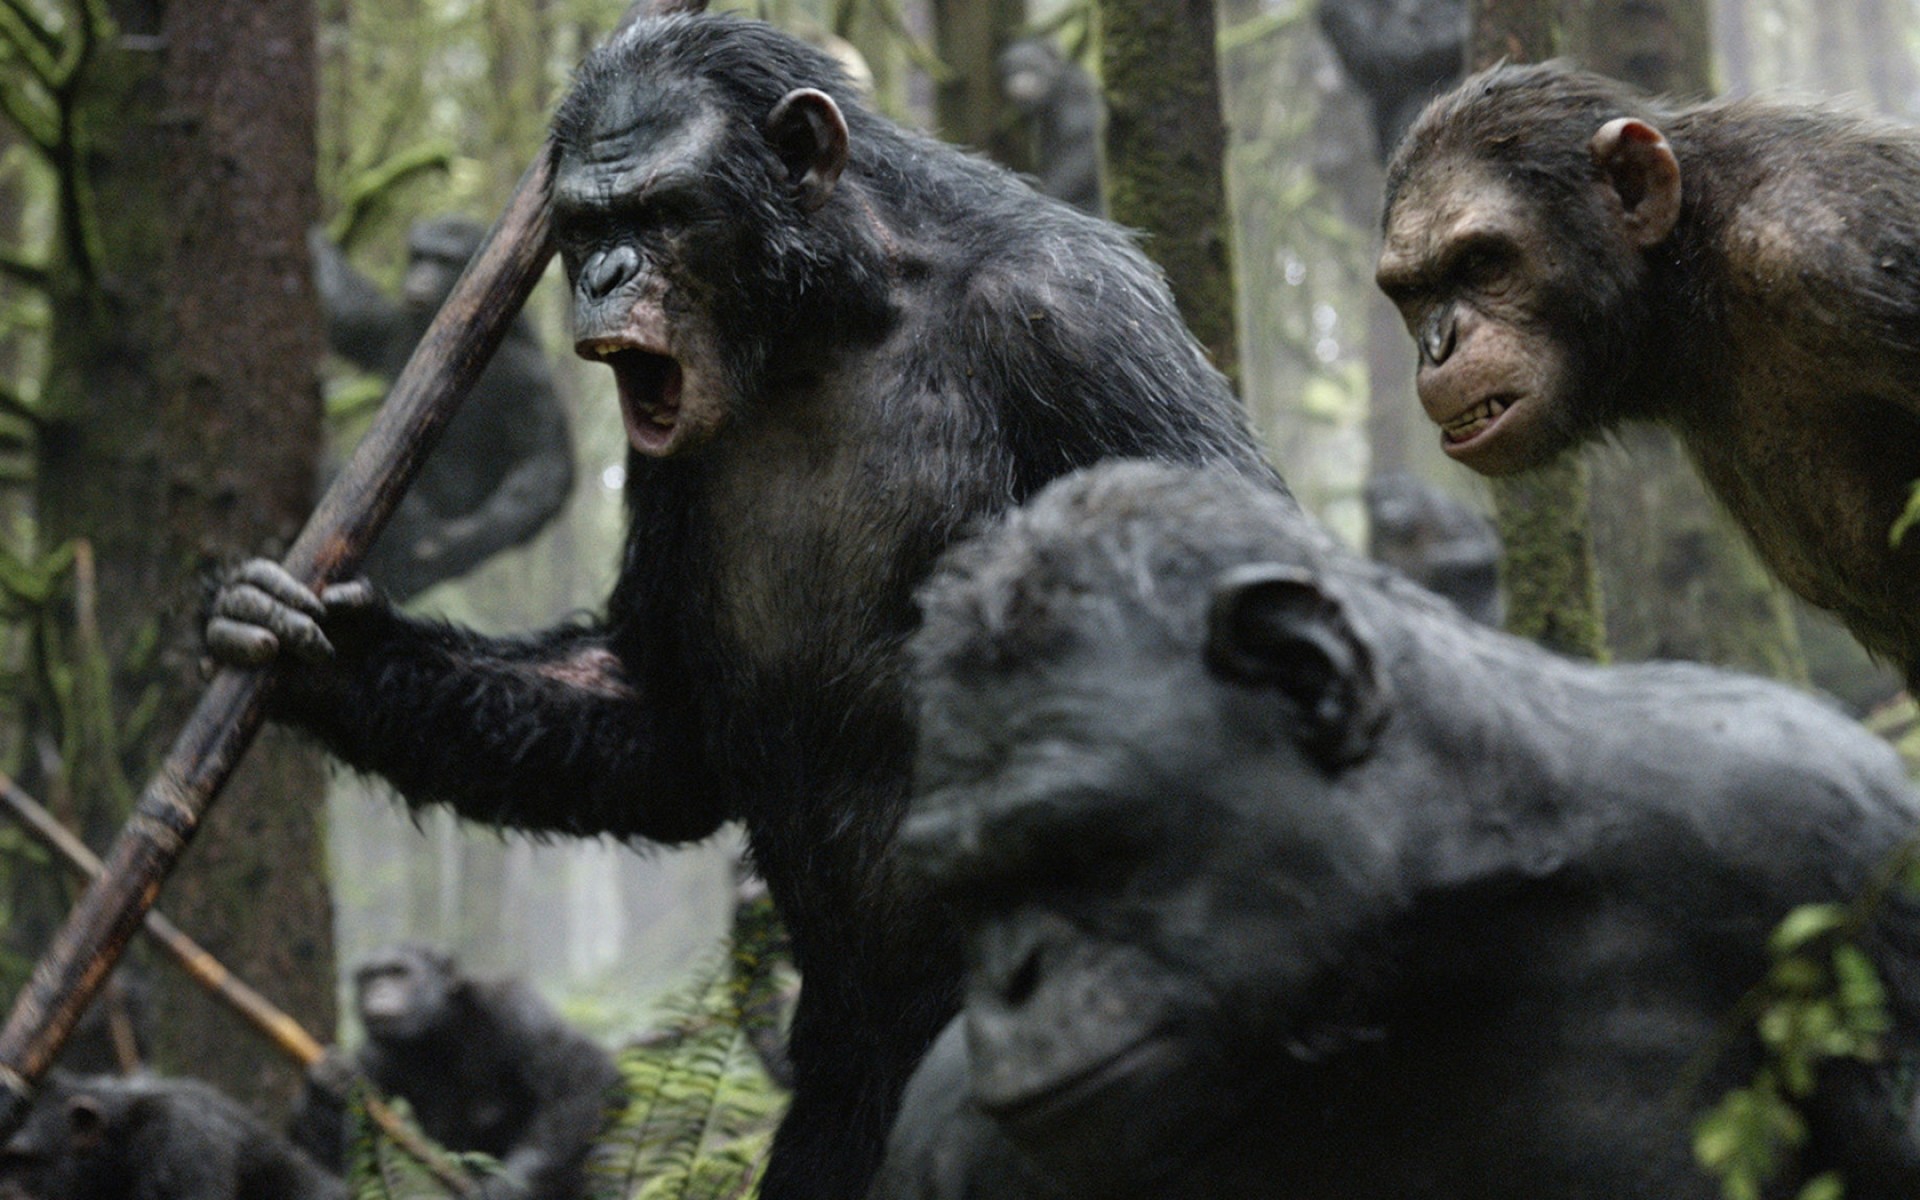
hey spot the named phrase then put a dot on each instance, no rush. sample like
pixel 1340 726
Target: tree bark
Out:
pixel 968 106
pixel 1166 155
pixel 185 432
pixel 1553 592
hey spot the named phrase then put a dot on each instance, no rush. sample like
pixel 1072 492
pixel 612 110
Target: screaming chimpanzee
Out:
pixel 837 345
pixel 1279 878
pixel 504 466
pixel 485 1065
pixel 141 1138
pixel 1570 254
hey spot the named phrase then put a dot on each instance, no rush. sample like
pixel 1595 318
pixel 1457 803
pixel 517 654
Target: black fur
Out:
pixel 1493 942
pixel 485 1066
pixel 143 1138
pixel 925 349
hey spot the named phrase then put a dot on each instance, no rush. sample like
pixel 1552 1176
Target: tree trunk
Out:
pixel 1166 155
pixel 1553 594
pixel 185 432
pixel 969 35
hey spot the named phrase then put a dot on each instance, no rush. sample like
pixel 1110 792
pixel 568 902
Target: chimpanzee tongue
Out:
pixel 649 398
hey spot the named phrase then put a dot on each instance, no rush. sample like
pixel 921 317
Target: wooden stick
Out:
pixel 443 367
pixel 280 1029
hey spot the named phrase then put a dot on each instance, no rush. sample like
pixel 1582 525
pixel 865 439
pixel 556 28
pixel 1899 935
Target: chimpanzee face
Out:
pixel 404 993
pixel 662 213
pixel 1150 862
pixel 1521 305
pixel 1465 261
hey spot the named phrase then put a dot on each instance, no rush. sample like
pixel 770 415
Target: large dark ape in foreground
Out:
pixel 837 345
pixel 1570 254
pixel 485 1065
pixel 504 465
pixel 144 1138
pixel 1280 878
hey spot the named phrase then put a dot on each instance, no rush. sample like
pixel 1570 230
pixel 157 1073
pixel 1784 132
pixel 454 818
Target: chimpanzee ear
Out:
pixel 808 133
pixel 86 1122
pixel 1274 626
pixel 1644 174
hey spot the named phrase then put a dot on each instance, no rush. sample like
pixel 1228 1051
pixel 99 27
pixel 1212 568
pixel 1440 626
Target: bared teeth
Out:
pixel 1474 420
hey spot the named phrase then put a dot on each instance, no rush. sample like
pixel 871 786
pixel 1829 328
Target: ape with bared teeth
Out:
pixel 837 346
pixel 1570 254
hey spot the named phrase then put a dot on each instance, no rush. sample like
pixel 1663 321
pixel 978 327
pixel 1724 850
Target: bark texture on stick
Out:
pixel 449 358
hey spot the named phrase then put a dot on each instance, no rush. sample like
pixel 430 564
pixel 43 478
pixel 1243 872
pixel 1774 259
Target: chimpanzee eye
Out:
pixel 1482 261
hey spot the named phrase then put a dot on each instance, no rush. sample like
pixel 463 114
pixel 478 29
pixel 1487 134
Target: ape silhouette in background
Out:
pixel 838 346
pixel 1399 54
pixel 1060 103
pixel 485 1065
pixel 1570 254
pixel 504 466
pixel 1437 541
pixel 1281 879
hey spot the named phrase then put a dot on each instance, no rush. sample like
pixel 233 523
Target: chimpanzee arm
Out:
pixel 551 732
pixel 361 322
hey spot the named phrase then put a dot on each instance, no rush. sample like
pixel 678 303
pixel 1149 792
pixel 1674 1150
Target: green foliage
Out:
pixel 1907 518
pixel 703 1109
pixel 1822 1001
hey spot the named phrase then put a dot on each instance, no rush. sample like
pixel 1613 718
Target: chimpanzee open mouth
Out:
pixel 649 386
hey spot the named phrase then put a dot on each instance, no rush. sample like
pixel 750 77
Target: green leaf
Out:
pixel 1907 517
pixel 1803 925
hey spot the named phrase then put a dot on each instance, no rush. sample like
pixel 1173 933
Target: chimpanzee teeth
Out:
pixel 1474 420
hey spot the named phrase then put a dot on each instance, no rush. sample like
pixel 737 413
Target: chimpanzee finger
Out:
pixel 273 579
pixel 239 644
pixel 354 593
pixel 298 633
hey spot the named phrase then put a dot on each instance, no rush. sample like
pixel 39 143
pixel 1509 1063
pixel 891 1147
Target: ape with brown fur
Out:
pixel 1570 254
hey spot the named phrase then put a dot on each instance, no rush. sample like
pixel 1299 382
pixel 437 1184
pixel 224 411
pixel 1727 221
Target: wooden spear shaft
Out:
pixel 448 359
pixel 286 1034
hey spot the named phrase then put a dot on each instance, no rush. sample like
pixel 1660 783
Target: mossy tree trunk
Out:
pixel 1553 593
pixel 1166 154
pixel 182 431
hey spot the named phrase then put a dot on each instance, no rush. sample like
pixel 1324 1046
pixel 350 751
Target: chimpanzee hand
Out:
pixel 261 608
pixel 334 1073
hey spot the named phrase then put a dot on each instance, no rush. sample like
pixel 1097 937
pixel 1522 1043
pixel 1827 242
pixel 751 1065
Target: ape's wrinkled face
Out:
pixel 1145 866
pixel 1470 268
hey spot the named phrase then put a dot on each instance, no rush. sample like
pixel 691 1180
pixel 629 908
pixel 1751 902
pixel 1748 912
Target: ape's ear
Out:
pixel 86 1122
pixel 1645 177
pixel 1274 626
pixel 808 133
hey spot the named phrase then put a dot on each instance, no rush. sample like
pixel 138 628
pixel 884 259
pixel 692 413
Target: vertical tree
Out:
pixel 1553 594
pixel 180 424
pixel 1166 148
pixel 968 106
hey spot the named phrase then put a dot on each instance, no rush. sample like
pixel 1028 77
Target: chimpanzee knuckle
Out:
pixel 273 579
pixel 352 595
pixel 240 644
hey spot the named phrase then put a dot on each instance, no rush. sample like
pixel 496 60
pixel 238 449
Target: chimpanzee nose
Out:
pixel 609 269
pixel 1437 336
